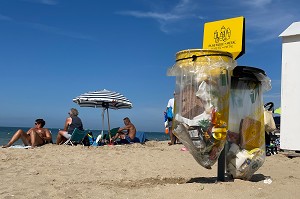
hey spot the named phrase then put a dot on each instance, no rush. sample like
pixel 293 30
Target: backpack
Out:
pixel 88 139
pixel 169 113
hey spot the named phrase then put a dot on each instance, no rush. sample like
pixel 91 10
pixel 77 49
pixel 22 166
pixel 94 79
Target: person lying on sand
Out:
pixel 35 136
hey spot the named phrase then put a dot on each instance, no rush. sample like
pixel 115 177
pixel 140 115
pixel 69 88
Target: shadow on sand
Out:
pixel 213 180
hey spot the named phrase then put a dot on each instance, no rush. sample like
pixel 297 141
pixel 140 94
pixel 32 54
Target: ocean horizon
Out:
pixel 7 132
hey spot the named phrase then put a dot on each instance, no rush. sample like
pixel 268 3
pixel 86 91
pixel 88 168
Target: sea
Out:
pixel 7 132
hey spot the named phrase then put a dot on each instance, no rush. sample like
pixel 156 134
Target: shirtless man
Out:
pixel 35 136
pixel 126 133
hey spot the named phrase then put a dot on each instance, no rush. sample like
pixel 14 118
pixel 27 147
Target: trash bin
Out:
pixel 202 101
pixel 246 133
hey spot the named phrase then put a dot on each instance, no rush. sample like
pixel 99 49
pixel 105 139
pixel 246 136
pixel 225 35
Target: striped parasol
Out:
pixel 103 99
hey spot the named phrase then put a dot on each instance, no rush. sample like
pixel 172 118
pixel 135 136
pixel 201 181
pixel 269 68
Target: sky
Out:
pixel 54 50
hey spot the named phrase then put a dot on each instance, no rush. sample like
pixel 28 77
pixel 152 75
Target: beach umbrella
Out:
pixel 278 110
pixel 104 99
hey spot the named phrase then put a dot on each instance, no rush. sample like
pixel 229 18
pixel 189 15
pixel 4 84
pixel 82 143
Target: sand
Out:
pixel 153 170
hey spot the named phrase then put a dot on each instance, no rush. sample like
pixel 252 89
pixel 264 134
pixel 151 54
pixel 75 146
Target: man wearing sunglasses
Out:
pixel 35 136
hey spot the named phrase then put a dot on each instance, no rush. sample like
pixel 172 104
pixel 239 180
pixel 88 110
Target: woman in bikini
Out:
pixel 35 136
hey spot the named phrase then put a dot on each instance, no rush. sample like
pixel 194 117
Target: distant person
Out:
pixel 170 113
pixel 72 122
pixel 127 133
pixel 36 136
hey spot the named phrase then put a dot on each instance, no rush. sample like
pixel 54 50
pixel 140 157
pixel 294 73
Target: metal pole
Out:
pixel 108 124
pixel 103 112
pixel 221 166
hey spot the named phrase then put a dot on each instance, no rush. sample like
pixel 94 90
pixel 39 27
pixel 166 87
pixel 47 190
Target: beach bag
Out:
pixel 169 113
pixel 166 119
pixel 88 139
pixel 269 121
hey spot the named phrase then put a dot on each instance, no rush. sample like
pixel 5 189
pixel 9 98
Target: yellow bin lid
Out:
pixel 193 54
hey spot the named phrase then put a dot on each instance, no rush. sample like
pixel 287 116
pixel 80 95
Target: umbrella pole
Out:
pixel 103 112
pixel 108 124
pixel 103 119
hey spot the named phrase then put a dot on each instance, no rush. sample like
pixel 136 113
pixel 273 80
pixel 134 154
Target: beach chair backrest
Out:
pixel 113 132
pixel 77 137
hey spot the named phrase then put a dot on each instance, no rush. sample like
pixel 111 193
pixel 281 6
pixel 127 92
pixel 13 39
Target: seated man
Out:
pixel 126 133
pixel 35 136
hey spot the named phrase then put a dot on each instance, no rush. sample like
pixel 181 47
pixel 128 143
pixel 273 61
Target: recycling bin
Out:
pixel 202 101
pixel 246 133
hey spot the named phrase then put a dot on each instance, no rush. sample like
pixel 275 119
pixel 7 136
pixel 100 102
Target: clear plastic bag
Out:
pixel 246 135
pixel 202 102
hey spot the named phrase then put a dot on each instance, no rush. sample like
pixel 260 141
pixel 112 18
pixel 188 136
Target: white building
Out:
pixel 290 88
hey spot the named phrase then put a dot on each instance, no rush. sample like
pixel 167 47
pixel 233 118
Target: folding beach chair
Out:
pixel 76 138
pixel 113 132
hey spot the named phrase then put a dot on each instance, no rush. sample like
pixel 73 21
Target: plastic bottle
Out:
pixel 167 130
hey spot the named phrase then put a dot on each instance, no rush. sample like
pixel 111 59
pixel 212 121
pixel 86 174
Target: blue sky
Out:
pixel 54 50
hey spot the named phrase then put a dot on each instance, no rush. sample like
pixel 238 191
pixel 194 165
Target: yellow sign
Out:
pixel 225 35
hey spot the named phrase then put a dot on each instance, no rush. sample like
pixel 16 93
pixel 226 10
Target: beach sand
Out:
pixel 153 170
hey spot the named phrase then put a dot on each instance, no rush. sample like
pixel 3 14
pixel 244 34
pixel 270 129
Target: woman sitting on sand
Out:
pixel 35 136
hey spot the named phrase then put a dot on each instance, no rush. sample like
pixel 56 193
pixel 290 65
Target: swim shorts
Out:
pixel 66 135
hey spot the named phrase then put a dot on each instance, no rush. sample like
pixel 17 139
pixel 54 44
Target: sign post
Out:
pixel 225 35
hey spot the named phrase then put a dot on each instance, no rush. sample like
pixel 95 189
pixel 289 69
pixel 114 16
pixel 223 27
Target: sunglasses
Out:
pixel 36 123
